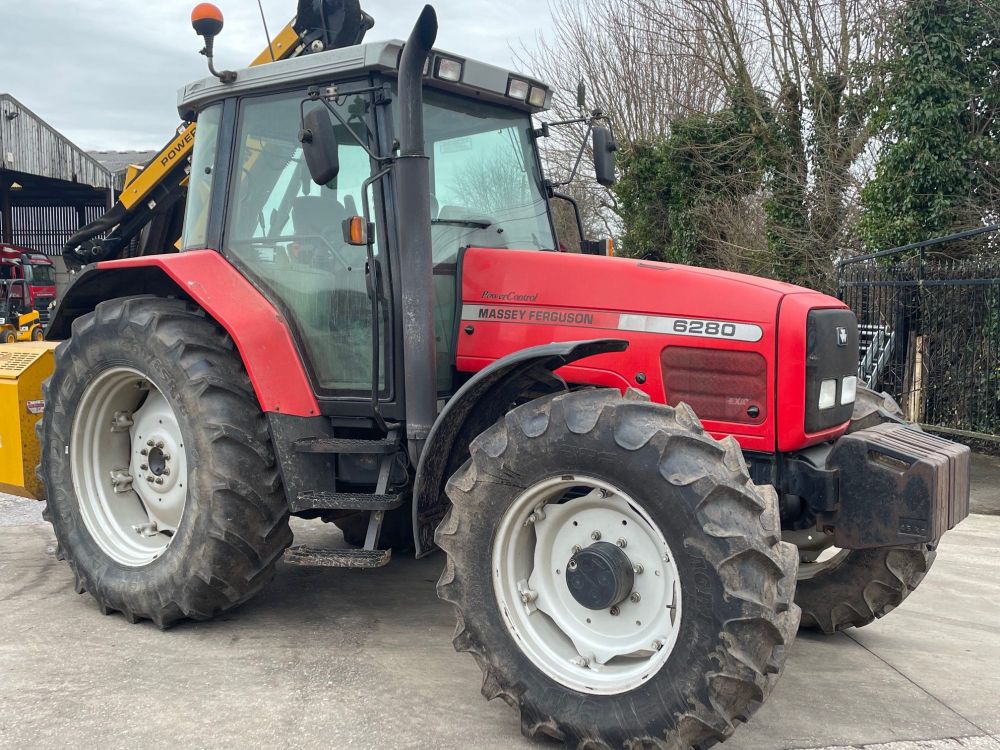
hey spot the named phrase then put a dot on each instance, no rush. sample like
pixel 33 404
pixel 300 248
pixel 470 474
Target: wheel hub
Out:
pixel 600 576
pixel 129 466
pixel 597 616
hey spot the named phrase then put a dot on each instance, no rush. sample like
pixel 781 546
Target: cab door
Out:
pixel 287 233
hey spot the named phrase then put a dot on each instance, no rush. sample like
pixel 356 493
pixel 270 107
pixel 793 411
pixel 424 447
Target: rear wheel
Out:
pixel 617 576
pixel 839 589
pixel 161 484
pixel 37 334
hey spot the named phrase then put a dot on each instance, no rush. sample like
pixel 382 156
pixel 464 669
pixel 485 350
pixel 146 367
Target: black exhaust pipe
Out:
pixel 414 222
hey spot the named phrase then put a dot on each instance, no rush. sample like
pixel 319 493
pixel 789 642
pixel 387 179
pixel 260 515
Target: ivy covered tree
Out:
pixel 673 193
pixel 940 166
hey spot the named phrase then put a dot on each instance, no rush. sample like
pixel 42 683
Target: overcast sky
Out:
pixel 106 72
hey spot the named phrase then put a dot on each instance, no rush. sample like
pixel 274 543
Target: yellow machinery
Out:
pixel 23 369
pixel 25 327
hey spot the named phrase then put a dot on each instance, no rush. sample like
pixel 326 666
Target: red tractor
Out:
pixel 641 474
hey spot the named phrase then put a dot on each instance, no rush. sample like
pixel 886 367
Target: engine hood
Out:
pixel 572 281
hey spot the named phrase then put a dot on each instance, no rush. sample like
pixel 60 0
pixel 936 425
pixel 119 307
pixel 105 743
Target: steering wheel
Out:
pixel 285 238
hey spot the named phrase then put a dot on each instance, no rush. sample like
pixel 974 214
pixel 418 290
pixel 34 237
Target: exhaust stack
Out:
pixel 412 175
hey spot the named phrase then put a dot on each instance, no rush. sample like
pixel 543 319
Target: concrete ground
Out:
pixel 363 659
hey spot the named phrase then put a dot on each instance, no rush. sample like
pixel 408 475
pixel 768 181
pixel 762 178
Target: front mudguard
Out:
pixel 484 399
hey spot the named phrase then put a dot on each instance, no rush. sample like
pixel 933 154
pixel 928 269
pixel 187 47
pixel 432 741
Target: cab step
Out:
pixel 318 500
pixel 345 445
pixel 308 556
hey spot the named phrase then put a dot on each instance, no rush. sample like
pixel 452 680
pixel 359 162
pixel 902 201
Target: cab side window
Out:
pixel 288 232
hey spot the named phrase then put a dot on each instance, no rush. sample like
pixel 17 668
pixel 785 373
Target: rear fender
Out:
pixel 260 332
pixel 484 399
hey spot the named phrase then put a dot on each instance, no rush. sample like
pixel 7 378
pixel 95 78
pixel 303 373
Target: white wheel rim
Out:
pixel 129 466
pixel 591 651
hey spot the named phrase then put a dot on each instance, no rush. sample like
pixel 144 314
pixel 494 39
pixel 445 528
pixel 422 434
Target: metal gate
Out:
pixel 929 319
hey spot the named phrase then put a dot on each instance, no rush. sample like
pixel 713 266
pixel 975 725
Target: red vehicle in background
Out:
pixel 36 270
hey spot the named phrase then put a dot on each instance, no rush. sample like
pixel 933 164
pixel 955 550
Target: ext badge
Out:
pixel 841 336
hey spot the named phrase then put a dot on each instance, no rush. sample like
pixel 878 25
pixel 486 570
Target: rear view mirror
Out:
pixel 319 144
pixel 604 156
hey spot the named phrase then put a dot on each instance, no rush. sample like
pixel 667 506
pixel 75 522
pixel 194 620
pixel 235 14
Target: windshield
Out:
pixel 40 275
pixel 486 189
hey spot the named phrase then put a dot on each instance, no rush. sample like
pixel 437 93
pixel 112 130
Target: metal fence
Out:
pixel 929 319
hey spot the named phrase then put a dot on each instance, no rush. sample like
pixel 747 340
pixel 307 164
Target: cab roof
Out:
pixel 478 79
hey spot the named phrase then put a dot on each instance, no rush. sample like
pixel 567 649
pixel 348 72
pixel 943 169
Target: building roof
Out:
pixel 117 162
pixel 30 146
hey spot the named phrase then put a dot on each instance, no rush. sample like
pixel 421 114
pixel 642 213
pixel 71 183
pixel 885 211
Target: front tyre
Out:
pixel 161 485
pixel 839 589
pixel 617 576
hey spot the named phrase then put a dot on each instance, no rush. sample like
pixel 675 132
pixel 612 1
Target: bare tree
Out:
pixel 633 72
pixel 805 73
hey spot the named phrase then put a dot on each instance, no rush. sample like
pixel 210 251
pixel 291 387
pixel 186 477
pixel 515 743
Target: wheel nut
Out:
pixel 615 611
pixel 166 456
pixel 165 473
pixel 622 543
pixel 144 467
pixel 576 548
pixel 149 479
pixel 637 568
pixel 160 444
pixel 150 443
pixel 595 535
pixel 635 598
pixel 571 565
pixel 144 452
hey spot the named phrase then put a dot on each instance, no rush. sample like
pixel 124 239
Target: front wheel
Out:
pixel 161 484
pixel 617 576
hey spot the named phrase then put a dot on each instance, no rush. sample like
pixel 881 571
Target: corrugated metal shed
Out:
pixel 30 145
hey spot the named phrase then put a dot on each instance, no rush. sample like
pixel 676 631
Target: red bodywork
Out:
pixel 17 262
pixel 511 300
pixel 261 333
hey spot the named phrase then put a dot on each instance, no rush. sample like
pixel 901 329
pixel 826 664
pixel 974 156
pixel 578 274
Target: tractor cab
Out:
pixel 328 255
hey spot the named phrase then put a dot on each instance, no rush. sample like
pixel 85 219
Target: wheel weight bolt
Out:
pixel 615 611
pixel 657 645
pixel 635 598
pixel 595 535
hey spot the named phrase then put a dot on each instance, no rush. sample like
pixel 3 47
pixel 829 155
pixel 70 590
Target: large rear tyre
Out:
pixel 840 589
pixel 617 576
pixel 161 484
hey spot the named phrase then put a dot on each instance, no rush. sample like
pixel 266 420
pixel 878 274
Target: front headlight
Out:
pixel 849 390
pixel 828 394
